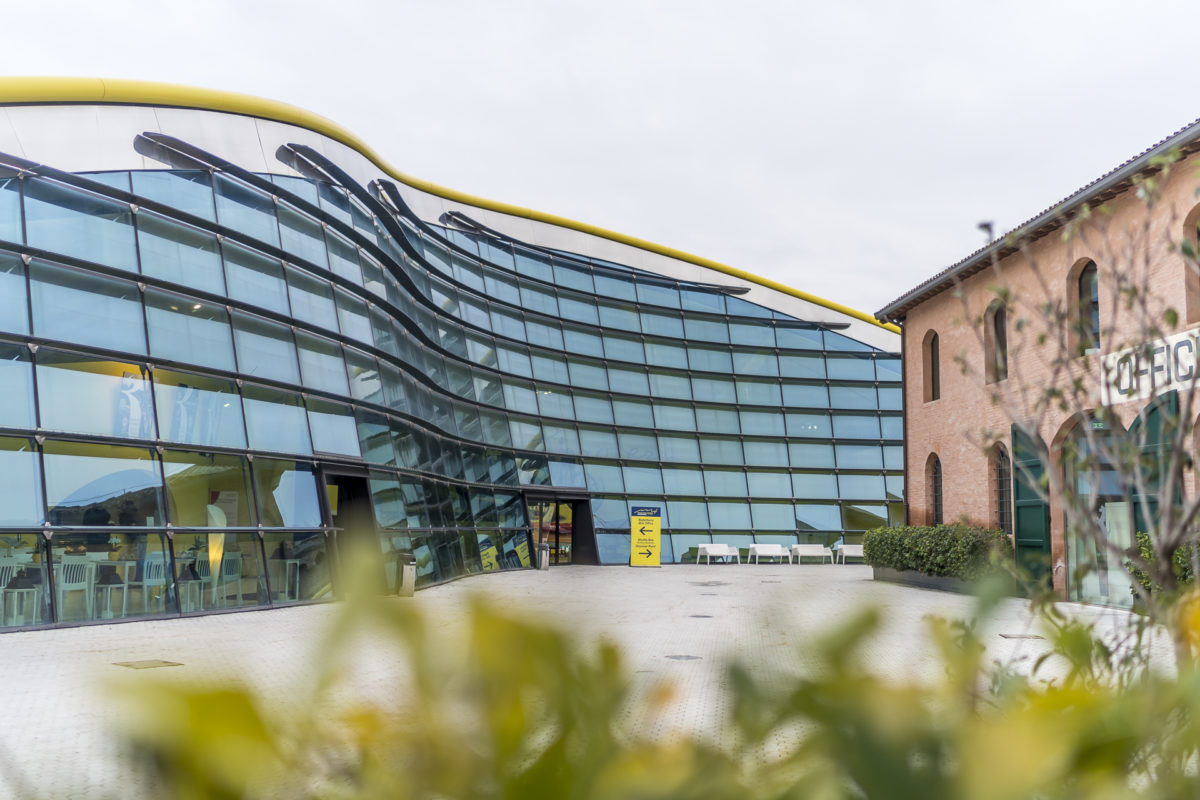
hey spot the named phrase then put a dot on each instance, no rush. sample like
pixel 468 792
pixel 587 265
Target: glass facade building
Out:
pixel 220 372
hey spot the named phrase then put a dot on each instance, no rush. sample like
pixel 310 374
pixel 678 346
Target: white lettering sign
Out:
pixel 1140 373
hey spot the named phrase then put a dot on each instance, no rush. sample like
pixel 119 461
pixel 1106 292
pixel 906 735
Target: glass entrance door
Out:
pixel 551 521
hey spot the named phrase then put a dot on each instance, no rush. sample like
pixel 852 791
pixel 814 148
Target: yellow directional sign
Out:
pixel 645 528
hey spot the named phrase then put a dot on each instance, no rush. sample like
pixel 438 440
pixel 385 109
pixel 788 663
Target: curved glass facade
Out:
pixel 215 379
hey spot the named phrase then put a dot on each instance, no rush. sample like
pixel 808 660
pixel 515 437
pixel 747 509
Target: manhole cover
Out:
pixel 684 658
pixel 701 616
pixel 148 664
pixel 709 583
pixel 1021 636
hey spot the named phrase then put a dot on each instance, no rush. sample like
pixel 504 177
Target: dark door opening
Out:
pixel 566 525
pixel 349 513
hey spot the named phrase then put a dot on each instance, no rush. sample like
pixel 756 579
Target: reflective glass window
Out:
pixel 352 314
pixel 674 416
pixel 729 516
pixel 501 287
pixel 623 318
pixel 474 311
pixel 799 338
pixel 861 487
pixel 507 323
pixel 863 516
pixel 198 410
pixel 117 396
pixel 614 548
pixel 363 372
pixel 638 446
pixel 859 456
pixel 532 470
pixel 495 428
pixel 533 264
pixel 705 330
pixel 343 257
pixel 619 287
pixel 14 315
pixel 76 306
pixel 852 397
pixel 526 434
pixel 628 380
pixel 93 572
pixel 893 457
pixel 710 359
pixel 811 426
pixel 743 308
pixel 755 362
pixel 699 300
pixel 321 364
pixel 537 298
pixel 21 489
pixel 773 516
pixel 246 210
pixel 715 450
pixel 179 254
pixel 593 408
pixel 814 485
pixel 658 294
pixel 836 341
pixel 765 453
pixel 657 323
pixel 16 376
pixel 598 442
pixel 892 427
pixel 725 482
pixel 763 393
pixel 183 329
pixel 275 420
pixel 891 398
pixel 587 375
pixel 682 480
pixel 762 423
pixel 688 513
pixel 895 487
pixel 255 279
pixel 287 494
pixel 519 396
pixel 623 348
pixel 566 473
pixel 583 342
pixel 555 403
pixel 665 384
pixel 633 413
pixel 63 220
pixel 846 426
pixel 810 455
pixel 609 512
pixel 581 311
pixel 514 360
pixel 753 334
pixel 714 390
pixel 800 395
pixel 887 369
pixel 560 438
pixel 543 334
pixel 794 366
pixel 770 484
pixel 303 238
pixel 311 299
pixel 187 190
pixel 375 437
pixel 850 368
pixel 265 349
pixel 661 354
pixel 643 479
pixel 333 429
pixel 97 484
pixel 206 490
pixel 811 517
pixel 717 420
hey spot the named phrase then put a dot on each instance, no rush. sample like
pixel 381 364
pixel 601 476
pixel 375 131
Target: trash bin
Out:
pixel 408 576
pixel 544 555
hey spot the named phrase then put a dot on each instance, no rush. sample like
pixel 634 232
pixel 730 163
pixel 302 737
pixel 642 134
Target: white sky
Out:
pixel 846 148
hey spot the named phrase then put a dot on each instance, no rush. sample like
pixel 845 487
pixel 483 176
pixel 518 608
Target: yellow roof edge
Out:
pixel 38 90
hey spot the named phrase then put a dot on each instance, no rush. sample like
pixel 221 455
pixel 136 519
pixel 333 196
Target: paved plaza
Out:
pixel 60 720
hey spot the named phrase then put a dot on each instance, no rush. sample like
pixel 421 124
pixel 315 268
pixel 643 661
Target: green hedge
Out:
pixel 952 551
pixel 1181 564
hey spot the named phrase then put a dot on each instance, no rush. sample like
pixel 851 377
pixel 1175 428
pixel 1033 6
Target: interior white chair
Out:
pixel 154 576
pixel 76 574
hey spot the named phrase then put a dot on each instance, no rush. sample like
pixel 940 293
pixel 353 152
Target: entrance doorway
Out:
pixel 566 525
pixel 348 511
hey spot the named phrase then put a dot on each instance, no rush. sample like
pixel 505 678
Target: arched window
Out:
pixel 932 367
pixel 1088 288
pixel 1001 480
pixel 933 490
pixel 995 342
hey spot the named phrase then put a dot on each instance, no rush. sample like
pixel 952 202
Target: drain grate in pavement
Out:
pixel 709 594
pixel 684 658
pixel 770 581
pixel 147 664
pixel 701 616
pixel 1021 636
pixel 709 583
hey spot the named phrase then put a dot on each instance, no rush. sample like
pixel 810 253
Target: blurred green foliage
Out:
pixel 500 707
pixel 1181 566
pixel 953 551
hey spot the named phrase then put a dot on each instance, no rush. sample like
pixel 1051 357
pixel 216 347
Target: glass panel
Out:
pixel 21 489
pixel 578 310
pixel 892 427
pixel 678 448
pixel 297 567
pixel 688 513
pixel 804 396
pixel 187 190
pixel 791 366
pixel 588 375
pixel 721 451
pixel 773 516
pixel 555 403
pixel 180 254
pixel 660 324
pixel 182 329
pixel 814 485
pixel 799 338
pixel 633 413
pixel 118 396
pixel 856 427
pixel 658 294
pixel 88 227
pixel 198 410
pixel 14 313
pixel 638 446
pixel 682 480
pixel 287 494
pixel 717 420
pixel 598 443
pixel 664 384
pixel 577 340
pixel 661 354
pixel 219 570
pixel 526 434
pixel 333 429
pixel 352 314
pixel 80 307
pixel 710 359
pixel 862 487
pixel 672 416
pixel 850 368
pixel 95 484
pixel 265 349
pixel 725 483
pixel 246 210
pixel 749 333
pixel 624 348
pixel 363 371
pixel 592 408
pixel 852 397
pixel 813 426
pixel 765 393
pixel 603 477
pixel 609 512
pixel 762 423
pixel 766 453
pixel 302 238
pixel 714 390
pixel 818 517
pixel 643 479
pixel 25 580
pixel 321 364
pixel 205 490
pixel 275 420
pixel 887 369
pixel 629 381
pixel 770 484
pixel 857 456
pixel 705 330
pixel 566 473
pixel 613 548
pixel 561 438
pixel 759 362
pixel 375 437
pixel 863 517
pixel 891 399
pixel 700 300
pixel 544 334
pixel 550 368
pixel 96 573
pixel 16 376
pixel 810 455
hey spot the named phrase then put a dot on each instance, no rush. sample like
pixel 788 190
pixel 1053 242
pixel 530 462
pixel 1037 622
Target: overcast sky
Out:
pixel 848 149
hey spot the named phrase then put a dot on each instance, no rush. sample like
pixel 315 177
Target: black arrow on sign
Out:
pixel 642 530
pixel 646 553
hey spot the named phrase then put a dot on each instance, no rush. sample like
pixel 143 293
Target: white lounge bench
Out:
pixel 708 551
pixel 768 551
pixel 851 550
pixel 812 551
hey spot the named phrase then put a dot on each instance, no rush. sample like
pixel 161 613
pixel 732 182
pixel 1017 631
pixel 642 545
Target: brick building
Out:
pixel 1102 283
